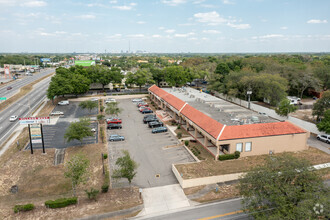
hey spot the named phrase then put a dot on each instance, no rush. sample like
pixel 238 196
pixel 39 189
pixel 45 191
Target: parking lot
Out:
pixel 152 152
pixel 54 134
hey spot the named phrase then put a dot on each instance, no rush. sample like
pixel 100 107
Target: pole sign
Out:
pixel 45 59
pixel 35 134
pixel 34 120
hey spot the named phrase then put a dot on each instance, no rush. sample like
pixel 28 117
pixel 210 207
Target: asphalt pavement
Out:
pixel 22 108
pixel 20 82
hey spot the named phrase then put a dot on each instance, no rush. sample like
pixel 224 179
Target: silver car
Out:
pixel 324 137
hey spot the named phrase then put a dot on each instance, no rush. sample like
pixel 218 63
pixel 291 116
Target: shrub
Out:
pixel 237 154
pixel 102 135
pixel 92 194
pixel 179 135
pixel 105 156
pixel 179 126
pixel 105 94
pixel 101 108
pixel 186 143
pixel 24 208
pixel 227 157
pixel 105 186
pixel 59 203
pixel 100 117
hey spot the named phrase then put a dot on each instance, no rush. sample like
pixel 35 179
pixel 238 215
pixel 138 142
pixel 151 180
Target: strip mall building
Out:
pixel 218 138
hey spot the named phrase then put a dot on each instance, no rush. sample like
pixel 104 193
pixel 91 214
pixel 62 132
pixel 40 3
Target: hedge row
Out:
pixel 235 155
pixel 59 203
pixel 24 208
pixel 105 186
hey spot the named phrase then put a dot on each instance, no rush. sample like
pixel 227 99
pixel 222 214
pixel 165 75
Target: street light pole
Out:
pixel 249 92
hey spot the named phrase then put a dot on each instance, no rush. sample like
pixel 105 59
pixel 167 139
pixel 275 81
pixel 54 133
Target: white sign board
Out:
pixel 34 120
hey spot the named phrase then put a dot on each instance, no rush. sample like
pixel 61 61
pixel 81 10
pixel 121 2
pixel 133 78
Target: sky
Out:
pixel 164 26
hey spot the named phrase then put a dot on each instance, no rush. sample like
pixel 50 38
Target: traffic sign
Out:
pixel 3 98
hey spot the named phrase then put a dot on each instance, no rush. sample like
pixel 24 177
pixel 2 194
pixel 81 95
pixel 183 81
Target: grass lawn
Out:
pixel 211 167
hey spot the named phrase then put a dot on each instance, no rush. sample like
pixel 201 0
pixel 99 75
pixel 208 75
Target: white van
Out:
pixel 64 102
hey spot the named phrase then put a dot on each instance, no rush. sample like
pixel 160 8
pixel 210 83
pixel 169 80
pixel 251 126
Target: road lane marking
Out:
pixel 222 215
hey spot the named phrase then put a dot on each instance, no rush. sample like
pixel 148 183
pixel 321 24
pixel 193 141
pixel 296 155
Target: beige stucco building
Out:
pixel 218 138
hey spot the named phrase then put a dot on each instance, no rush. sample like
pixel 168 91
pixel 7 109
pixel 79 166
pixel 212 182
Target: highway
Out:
pixel 19 83
pixel 22 107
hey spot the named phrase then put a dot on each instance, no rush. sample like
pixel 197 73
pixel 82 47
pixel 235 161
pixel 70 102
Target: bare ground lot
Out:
pixel 210 167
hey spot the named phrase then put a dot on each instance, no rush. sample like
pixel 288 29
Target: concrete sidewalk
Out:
pixel 162 199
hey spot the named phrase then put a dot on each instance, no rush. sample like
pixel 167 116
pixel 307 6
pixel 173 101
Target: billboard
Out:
pixel 7 72
pixel 45 59
pixel 34 120
pixel 36 134
pixel 84 62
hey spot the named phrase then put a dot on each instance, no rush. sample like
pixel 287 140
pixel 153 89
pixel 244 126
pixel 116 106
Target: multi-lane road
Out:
pixel 19 83
pixel 25 105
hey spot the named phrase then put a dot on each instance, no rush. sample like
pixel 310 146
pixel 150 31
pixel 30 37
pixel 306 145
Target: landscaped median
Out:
pixel 211 171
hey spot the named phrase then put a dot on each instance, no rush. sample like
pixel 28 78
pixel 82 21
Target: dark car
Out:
pixel 146 111
pixel 116 137
pixel 148 116
pixel 114 121
pixel 159 130
pixel 155 124
pixel 9 88
pixel 114 126
pixel 146 120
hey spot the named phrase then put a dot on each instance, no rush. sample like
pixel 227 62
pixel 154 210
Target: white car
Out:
pixel 109 101
pixel 13 118
pixel 324 137
pixel 94 99
pixel 137 100
pixel 56 113
pixel 93 130
pixel 63 103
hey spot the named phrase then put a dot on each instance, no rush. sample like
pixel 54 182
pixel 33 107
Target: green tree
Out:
pixel 285 108
pixel 303 80
pixel 113 109
pixel 78 130
pixel 222 70
pixel 321 105
pixel 127 167
pixel 284 188
pixel 140 78
pixel 80 84
pixel 88 104
pixel 157 75
pixel 76 169
pixel 177 75
pixel 324 125
pixel 322 72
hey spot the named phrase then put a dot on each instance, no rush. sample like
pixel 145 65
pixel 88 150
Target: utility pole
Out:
pixel 249 92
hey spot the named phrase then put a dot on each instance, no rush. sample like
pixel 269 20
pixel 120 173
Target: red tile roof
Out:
pixel 259 130
pixel 205 122
pixel 214 127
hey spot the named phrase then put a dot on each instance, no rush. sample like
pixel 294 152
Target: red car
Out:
pixel 143 104
pixel 142 109
pixel 114 121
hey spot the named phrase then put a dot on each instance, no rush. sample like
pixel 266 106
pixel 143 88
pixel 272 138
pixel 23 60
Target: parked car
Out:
pixel 142 107
pixel 149 119
pixel 9 88
pixel 116 137
pixel 159 130
pixel 114 121
pixel 94 99
pixel 109 101
pixel 139 104
pixel 56 113
pixel 114 126
pixel 63 103
pixel 136 100
pixel 324 137
pixel 146 111
pixel 93 130
pixel 155 124
pixel 13 118
pixel 147 116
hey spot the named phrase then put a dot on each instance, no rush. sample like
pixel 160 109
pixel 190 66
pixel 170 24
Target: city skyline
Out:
pixel 165 26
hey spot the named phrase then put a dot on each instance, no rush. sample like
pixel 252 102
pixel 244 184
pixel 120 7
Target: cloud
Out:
pixel 156 36
pixel 174 2
pixel 213 18
pixel 95 5
pixel 192 38
pixel 161 28
pixel 227 2
pixel 169 31
pixel 140 22
pixel 113 2
pixel 125 7
pixel 211 32
pixel 135 35
pixel 86 16
pixel 60 32
pixel 268 36
pixel 33 4
pixel 316 21
pixel 184 35
pixel 284 28
pixel 114 37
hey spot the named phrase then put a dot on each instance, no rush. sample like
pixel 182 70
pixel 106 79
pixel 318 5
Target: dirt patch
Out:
pixel 304 114
pixel 199 151
pixel 211 167
pixel 23 91
pixel 192 190
pixel 224 192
